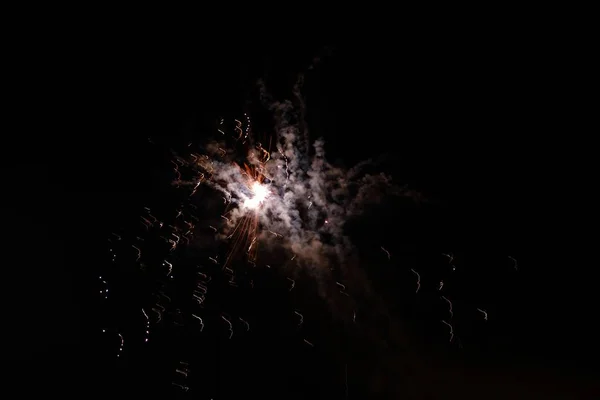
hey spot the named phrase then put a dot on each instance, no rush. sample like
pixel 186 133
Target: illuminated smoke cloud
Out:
pixel 304 201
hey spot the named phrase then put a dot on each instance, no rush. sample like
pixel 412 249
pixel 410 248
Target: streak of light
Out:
pixel 170 266
pixel 515 263
pixel 449 306
pixel 200 320
pixel 301 317
pixel 229 324
pixel 139 253
pixel 309 343
pixel 159 313
pixel 418 280
pixel 441 285
pixel 450 257
pixel 182 387
pixel 451 330
pixel 386 252
pixel 293 283
pixel 485 315
pixel 245 323
pixel 182 372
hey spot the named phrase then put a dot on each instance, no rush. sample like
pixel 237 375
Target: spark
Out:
pixel 182 372
pixel 293 283
pixel 225 218
pixel 386 252
pixel 245 323
pixel 229 324
pixel 450 306
pixel 441 285
pixel 418 280
pixel 309 343
pixel 450 257
pixel 515 263
pixel 117 236
pixel 249 247
pixel 213 228
pixel 451 330
pixel 165 262
pixel 341 285
pixel 139 253
pixel 485 316
pixel 213 260
pixel 165 296
pixel 354 316
pixel 182 387
pixel 159 315
pixel 301 317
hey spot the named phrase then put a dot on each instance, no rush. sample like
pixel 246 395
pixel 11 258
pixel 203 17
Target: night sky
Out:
pixel 460 122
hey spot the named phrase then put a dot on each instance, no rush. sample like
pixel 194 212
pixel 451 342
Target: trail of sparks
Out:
pixel 147 325
pixel 105 290
pixel 121 345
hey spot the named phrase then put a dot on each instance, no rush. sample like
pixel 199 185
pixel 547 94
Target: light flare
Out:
pixel 259 194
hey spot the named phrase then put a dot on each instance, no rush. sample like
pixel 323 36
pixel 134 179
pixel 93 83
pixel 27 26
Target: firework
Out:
pixel 244 207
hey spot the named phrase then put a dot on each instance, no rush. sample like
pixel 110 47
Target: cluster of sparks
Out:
pixel 277 196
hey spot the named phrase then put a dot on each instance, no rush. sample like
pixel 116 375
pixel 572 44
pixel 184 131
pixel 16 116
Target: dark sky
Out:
pixel 462 119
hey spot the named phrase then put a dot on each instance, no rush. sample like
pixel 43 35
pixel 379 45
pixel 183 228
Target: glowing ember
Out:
pixel 260 193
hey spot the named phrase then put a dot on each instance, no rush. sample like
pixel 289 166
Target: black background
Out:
pixel 466 120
